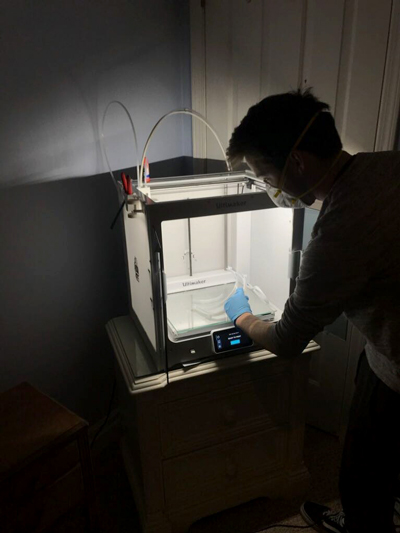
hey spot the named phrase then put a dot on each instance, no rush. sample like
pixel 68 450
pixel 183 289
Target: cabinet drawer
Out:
pixel 40 509
pixel 223 469
pixel 21 487
pixel 66 493
pixel 207 419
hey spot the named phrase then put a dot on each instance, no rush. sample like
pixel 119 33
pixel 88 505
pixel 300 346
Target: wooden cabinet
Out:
pixel 45 465
pixel 203 476
pixel 211 418
pixel 211 436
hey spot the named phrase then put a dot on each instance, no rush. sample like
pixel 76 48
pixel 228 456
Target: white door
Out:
pixel 244 50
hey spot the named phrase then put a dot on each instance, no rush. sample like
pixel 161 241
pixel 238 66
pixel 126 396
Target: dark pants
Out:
pixel 371 455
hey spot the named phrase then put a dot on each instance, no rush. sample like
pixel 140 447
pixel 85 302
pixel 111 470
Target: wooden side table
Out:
pixel 45 463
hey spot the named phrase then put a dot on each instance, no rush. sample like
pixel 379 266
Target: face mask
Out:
pixel 283 199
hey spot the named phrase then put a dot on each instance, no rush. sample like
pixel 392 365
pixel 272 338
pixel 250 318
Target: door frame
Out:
pixel 388 119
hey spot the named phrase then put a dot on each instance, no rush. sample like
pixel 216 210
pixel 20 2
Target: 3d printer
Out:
pixel 190 242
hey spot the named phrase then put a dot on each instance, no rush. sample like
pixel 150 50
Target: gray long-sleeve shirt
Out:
pixel 352 265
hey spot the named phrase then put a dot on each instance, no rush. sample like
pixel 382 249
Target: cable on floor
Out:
pixel 108 415
pixel 294 527
pixel 286 526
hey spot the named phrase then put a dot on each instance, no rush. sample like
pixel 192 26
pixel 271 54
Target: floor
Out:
pixel 117 510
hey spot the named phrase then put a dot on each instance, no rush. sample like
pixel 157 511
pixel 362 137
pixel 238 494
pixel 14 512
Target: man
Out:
pixel 351 265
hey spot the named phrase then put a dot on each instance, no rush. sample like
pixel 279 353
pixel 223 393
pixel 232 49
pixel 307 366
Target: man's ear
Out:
pixel 297 160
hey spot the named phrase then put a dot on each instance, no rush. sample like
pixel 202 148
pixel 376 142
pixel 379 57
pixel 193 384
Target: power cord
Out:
pixel 294 527
pixel 117 215
pixel 108 415
pixel 284 526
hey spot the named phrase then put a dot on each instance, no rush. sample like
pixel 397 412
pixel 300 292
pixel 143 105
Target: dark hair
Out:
pixel 271 128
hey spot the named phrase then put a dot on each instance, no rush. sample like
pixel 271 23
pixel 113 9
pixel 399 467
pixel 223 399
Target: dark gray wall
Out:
pixel 61 268
pixel 61 279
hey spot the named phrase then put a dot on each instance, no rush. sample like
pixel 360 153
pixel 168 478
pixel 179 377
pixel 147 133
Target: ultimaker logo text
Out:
pixel 197 282
pixel 222 205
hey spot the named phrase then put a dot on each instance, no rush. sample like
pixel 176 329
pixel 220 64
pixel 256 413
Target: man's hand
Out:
pixel 237 304
pixel 238 309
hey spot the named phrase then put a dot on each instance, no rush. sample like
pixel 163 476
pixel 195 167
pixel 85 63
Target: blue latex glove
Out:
pixel 237 304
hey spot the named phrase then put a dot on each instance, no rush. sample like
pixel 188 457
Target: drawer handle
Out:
pixel 230 416
pixel 231 468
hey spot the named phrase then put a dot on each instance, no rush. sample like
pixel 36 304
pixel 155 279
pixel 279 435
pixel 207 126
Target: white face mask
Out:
pixel 283 199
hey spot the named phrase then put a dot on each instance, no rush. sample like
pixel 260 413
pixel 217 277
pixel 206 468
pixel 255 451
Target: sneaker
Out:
pixel 322 519
pixel 397 499
pixel 397 505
